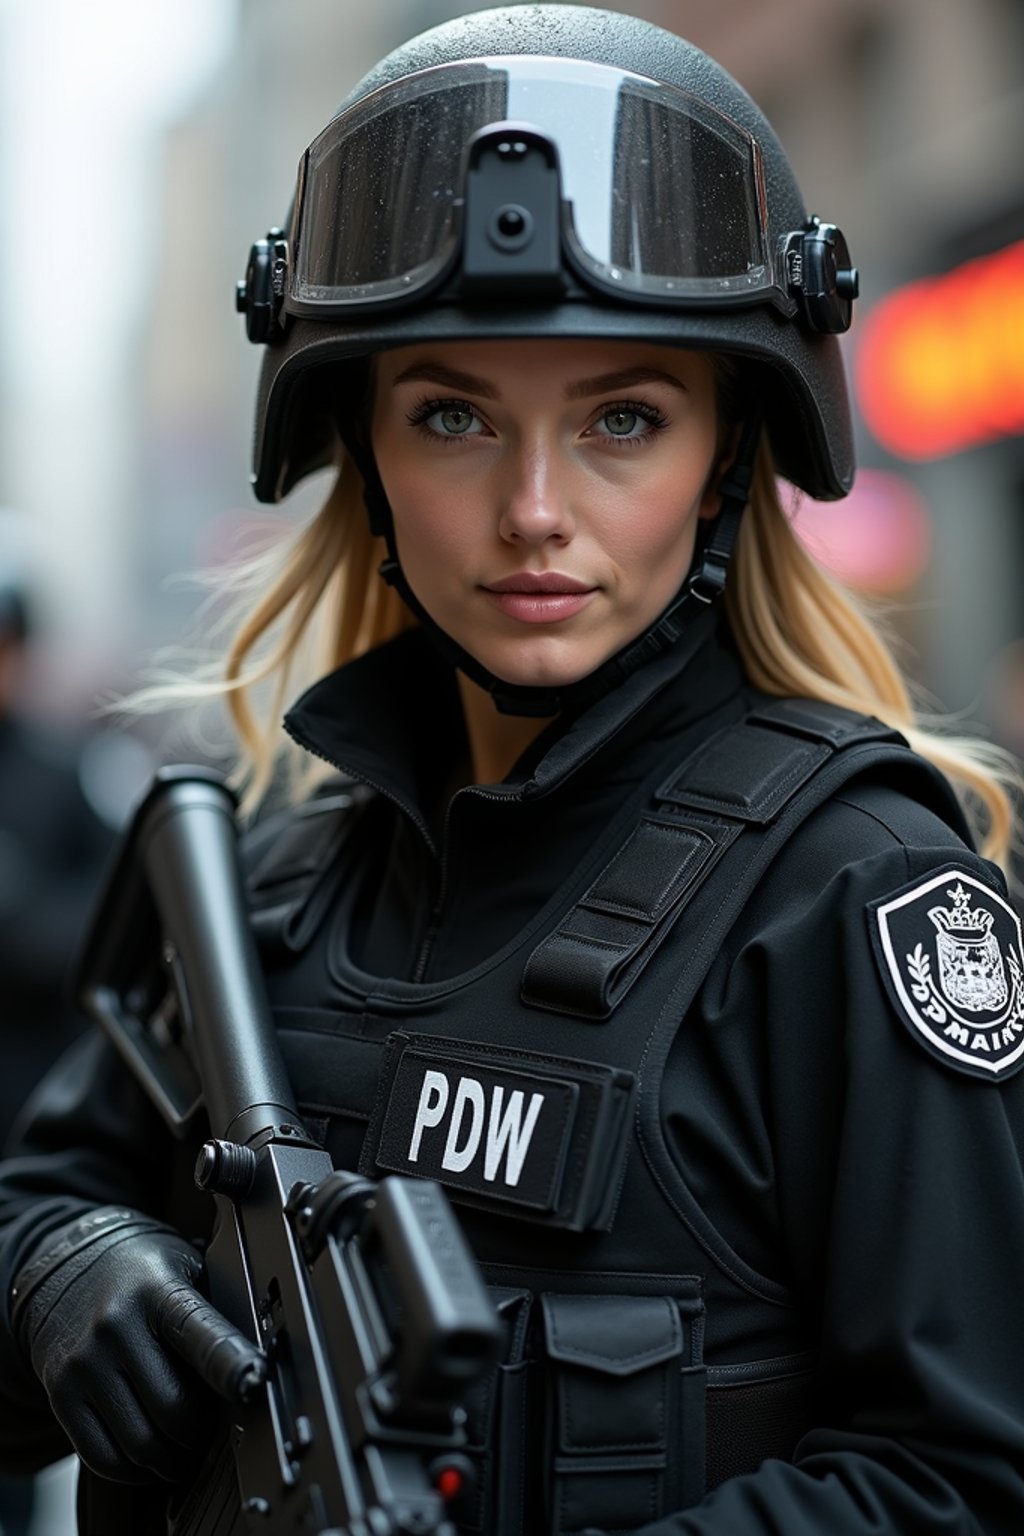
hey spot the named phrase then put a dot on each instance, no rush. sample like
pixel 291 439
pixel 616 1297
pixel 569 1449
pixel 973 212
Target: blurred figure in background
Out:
pixel 52 846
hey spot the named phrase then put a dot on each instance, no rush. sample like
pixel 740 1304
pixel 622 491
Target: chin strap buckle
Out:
pixel 708 581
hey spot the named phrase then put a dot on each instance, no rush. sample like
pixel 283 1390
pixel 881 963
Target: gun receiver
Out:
pixel 363 1300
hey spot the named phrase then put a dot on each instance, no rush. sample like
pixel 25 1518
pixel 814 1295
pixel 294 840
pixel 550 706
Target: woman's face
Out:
pixel 545 493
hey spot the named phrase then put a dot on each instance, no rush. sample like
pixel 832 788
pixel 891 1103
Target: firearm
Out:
pixel 368 1320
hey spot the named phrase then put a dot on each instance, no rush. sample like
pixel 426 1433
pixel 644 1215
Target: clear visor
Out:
pixel 662 195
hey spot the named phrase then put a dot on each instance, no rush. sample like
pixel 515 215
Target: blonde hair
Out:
pixel 797 630
pixel 801 633
pixel 324 605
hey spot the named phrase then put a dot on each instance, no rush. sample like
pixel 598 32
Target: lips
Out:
pixel 544 597
pixel 538 581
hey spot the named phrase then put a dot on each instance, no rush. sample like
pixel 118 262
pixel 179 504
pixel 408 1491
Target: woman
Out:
pixel 634 929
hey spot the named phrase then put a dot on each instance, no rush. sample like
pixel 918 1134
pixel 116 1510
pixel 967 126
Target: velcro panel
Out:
pixel 602 944
pixel 824 722
pixel 657 862
pixel 748 771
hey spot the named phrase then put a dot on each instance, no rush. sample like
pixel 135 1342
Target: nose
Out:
pixel 535 503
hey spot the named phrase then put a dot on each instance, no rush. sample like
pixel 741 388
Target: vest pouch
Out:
pixel 625 1409
pixel 497 1439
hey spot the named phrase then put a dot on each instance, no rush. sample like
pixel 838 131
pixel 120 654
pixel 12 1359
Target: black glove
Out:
pixel 93 1310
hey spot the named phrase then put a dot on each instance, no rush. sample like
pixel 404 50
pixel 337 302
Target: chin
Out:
pixel 541 672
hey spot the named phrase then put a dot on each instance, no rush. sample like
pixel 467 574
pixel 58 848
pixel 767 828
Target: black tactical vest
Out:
pixel 645 1361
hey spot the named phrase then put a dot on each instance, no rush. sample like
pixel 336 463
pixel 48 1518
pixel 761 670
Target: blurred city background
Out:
pixel 143 147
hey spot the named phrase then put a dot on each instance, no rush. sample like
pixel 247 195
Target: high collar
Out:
pixel 392 718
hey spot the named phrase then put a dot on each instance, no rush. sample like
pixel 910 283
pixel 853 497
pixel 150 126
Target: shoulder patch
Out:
pixel 950 951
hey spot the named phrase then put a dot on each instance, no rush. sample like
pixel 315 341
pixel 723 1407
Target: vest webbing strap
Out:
pixel 739 783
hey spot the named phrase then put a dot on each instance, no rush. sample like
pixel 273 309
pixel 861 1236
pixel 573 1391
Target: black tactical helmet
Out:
pixel 550 170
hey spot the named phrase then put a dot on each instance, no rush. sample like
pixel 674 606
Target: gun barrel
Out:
pixel 188 846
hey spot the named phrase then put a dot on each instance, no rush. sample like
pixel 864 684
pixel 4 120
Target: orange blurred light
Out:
pixel 940 363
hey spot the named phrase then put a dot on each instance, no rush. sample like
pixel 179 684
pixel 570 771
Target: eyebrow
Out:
pixel 600 384
pixel 622 378
pixel 451 378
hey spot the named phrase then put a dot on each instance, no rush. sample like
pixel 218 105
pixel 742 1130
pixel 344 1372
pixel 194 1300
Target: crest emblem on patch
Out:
pixel 952 955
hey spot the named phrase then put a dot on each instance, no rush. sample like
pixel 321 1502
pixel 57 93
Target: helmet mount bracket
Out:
pixel 821 277
pixel 512 215
pixel 260 294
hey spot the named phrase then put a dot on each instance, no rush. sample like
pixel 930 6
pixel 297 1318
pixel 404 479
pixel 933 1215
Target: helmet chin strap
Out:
pixel 704 584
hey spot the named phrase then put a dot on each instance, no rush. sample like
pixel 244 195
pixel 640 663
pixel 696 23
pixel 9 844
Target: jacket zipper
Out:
pixel 434 921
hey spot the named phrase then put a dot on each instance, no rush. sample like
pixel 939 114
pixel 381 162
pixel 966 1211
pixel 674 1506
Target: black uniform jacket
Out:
pixel 851 1190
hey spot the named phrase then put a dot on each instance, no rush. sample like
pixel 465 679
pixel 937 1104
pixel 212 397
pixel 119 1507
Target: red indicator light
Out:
pixel 450 1483
pixel 940 363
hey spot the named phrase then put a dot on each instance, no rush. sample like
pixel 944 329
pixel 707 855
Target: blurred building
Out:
pixel 85 94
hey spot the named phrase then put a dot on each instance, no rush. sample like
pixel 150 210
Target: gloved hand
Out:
pixel 94 1310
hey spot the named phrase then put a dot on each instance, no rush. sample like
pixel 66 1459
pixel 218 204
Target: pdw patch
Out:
pixel 541 1137
pixel 951 952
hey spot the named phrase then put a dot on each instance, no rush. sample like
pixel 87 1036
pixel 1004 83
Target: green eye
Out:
pixel 621 423
pixel 446 420
pixel 456 420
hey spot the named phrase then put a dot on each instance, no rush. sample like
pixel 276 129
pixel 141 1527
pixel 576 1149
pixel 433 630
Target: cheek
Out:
pixel 408 490
pixel 433 525
pixel 660 536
